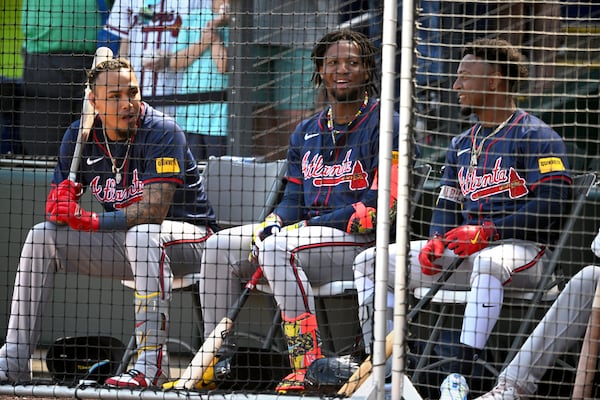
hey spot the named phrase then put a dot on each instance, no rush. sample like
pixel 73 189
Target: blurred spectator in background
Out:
pixel 285 33
pixel 368 15
pixel 106 38
pixel 542 20
pixel 148 31
pixel 59 45
pixel 203 61
pixel 11 76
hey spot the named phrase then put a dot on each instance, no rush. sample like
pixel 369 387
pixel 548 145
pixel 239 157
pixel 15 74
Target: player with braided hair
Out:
pixel 137 166
pixel 327 213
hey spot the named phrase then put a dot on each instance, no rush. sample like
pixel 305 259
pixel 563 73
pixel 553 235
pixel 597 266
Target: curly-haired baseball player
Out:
pixel 503 193
pixel 156 217
pixel 327 213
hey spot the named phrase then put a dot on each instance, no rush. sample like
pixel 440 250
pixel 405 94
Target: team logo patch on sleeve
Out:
pixel 167 165
pixel 550 164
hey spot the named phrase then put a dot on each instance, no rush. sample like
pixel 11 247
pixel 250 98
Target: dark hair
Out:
pixel 501 54
pixel 367 50
pixel 108 65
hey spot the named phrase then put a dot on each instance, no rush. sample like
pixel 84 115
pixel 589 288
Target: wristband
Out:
pixel 112 221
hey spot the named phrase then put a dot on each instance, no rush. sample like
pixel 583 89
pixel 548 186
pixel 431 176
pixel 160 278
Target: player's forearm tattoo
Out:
pixel 153 208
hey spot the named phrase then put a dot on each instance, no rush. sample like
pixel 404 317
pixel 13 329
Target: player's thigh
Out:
pixel 364 263
pixel 519 262
pixel 99 254
pixel 326 254
pixel 184 244
pixel 230 248
pixel 458 280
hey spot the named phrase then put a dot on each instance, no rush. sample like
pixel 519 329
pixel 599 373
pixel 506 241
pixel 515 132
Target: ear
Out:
pixel 495 81
pixel 92 98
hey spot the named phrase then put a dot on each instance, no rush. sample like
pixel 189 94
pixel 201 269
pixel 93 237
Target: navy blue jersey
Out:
pixel 158 153
pixel 494 175
pixel 328 182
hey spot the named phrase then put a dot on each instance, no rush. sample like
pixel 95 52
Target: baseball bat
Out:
pixel 362 373
pixel 87 114
pixel 588 358
pixel 204 357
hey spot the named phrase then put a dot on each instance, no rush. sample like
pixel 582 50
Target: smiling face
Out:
pixel 476 82
pixel 116 97
pixel 343 72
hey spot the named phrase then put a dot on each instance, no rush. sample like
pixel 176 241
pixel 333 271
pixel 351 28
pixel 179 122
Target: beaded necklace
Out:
pixel 330 124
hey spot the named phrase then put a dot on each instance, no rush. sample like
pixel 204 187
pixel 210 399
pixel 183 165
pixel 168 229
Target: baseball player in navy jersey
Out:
pixel 503 191
pixel 328 210
pixel 156 217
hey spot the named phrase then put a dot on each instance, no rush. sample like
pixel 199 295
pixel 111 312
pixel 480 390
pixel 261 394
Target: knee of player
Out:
pixel 363 263
pixel 40 233
pixel 585 281
pixel 145 234
pixel 487 266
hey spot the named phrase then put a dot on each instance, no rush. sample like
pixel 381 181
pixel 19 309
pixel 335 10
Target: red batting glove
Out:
pixel 433 249
pixel 66 191
pixel 468 239
pixel 71 213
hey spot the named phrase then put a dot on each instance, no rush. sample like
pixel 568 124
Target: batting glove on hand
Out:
pixel 66 191
pixel 433 249
pixel 271 225
pixel 77 218
pixel 468 239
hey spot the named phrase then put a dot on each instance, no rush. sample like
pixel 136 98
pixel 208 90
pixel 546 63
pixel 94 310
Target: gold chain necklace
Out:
pixel 476 150
pixel 116 170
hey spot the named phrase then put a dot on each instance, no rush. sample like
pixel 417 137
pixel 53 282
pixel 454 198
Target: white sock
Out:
pixel 484 304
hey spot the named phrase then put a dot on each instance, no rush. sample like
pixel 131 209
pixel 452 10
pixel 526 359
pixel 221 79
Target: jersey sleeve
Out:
pixel 165 156
pixel 545 154
pixel 547 165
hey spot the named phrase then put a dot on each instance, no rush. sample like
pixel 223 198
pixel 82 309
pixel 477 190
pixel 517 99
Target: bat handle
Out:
pixel 251 284
pixel 75 162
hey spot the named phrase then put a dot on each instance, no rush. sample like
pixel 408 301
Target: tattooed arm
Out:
pixel 153 208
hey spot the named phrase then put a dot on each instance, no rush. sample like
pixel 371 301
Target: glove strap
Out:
pixel 112 221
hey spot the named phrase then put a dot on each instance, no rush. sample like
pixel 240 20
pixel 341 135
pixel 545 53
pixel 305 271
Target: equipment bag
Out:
pixel 96 358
